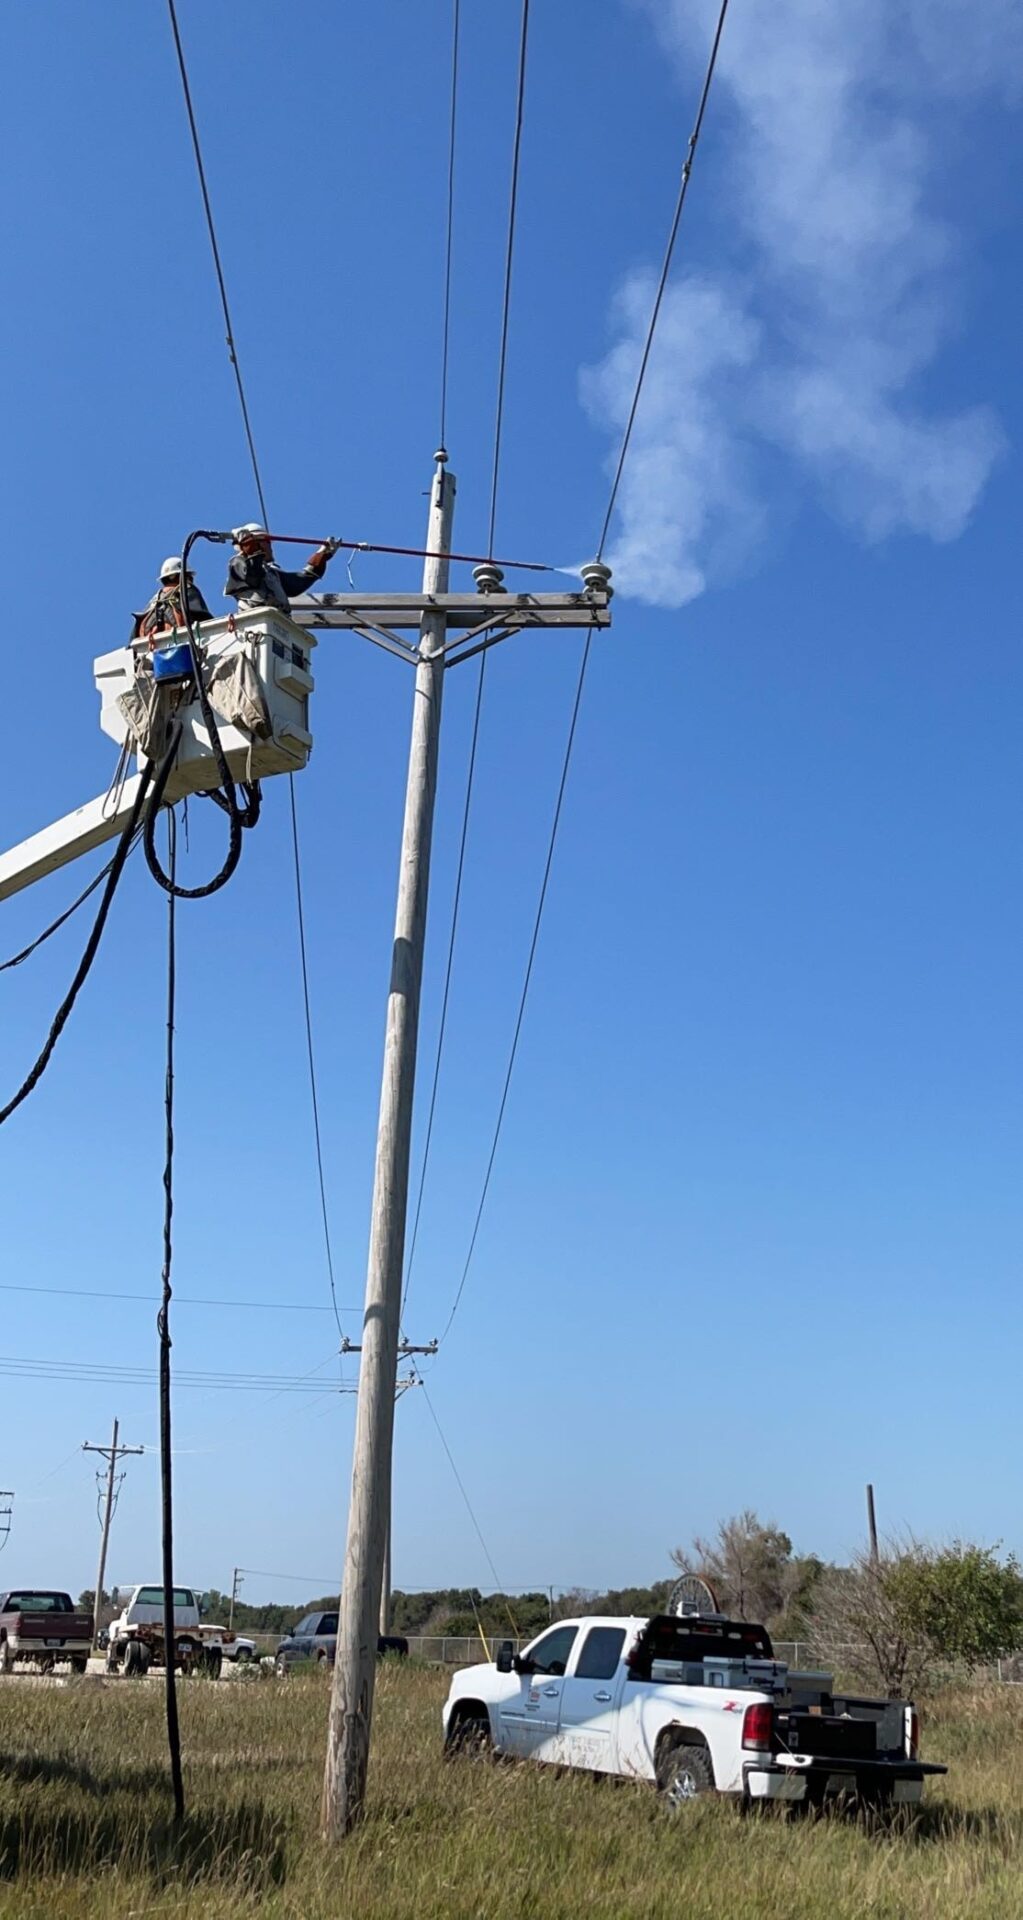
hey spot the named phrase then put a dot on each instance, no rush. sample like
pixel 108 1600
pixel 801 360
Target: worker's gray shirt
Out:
pixel 255 581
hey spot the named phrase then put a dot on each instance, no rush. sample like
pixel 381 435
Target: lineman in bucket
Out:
pixel 255 580
pixel 165 608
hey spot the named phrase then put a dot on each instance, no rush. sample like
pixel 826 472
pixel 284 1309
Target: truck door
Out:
pixel 588 1702
pixel 529 1716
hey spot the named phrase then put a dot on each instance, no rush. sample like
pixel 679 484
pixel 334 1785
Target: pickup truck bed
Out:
pixel 693 1705
pixel 40 1626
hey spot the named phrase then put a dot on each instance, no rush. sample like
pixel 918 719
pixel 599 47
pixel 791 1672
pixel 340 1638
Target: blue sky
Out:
pixel 754 1231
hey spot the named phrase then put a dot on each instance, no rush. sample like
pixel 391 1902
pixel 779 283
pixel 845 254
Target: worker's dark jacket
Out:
pixel 254 581
pixel 164 610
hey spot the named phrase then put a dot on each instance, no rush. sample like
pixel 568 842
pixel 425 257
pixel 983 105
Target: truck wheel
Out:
pixel 213 1659
pixel 79 1662
pixel 133 1659
pixel 6 1658
pixel 684 1774
pixel 469 1734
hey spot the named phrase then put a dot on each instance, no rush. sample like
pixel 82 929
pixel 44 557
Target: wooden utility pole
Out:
pixel 872 1525
pixel 351 1699
pixel 111 1454
pixel 235 1584
pixel 450 628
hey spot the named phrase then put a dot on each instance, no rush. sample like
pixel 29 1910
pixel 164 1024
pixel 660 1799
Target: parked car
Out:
pixel 695 1705
pixel 315 1639
pixel 136 1636
pixel 234 1646
pixel 39 1625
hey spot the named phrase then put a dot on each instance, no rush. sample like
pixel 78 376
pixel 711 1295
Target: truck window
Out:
pixel 601 1652
pixel 328 1623
pixel 39 1603
pixel 153 1597
pixel 550 1655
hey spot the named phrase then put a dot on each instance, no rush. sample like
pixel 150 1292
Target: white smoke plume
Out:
pixel 833 120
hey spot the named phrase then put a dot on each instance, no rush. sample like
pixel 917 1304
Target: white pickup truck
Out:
pixel 136 1636
pixel 695 1705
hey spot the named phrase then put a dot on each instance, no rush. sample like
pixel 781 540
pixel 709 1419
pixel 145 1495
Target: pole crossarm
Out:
pixel 472 620
pixel 405 1347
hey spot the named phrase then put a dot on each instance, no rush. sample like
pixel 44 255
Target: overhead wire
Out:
pixel 666 267
pixel 180 1299
pixel 212 231
pixel 250 441
pixel 478 706
pixel 517 1032
pixel 312 1059
pixel 110 1374
pixel 446 327
pixel 665 270
pixel 460 1483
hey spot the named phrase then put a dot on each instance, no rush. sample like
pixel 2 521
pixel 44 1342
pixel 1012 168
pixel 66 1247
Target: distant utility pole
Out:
pixel 437 614
pixel 235 1584
pixel 6 1510
pixel 111 1455
pixel 872 1525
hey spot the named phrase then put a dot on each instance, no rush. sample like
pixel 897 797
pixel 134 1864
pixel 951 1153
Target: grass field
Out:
pixel 85 1833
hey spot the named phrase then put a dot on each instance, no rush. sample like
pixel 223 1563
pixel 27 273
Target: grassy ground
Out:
pixel 85 1834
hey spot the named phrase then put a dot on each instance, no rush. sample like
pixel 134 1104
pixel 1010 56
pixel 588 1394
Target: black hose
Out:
pixel 163 1327
pixel 227 798
pixel 92 946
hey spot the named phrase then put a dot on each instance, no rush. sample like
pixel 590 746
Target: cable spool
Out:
pixel 692 1595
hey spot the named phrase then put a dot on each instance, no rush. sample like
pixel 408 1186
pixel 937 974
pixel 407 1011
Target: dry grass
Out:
pixel 85 1834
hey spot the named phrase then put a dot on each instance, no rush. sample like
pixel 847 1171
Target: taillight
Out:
pixel 758 1726
pixel 912 1732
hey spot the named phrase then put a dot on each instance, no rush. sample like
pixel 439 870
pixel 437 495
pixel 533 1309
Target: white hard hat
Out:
pixel 251 531
pixel 171 567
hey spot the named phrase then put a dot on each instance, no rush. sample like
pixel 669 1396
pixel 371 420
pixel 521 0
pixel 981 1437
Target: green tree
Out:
pixel 917 1609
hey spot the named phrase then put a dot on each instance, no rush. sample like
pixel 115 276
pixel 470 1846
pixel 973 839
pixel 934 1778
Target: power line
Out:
pixel 211 230
pixel 447 982
pixel 311 1055
pixel 13 1367
pixel 679 204
pixel 470 777
pixel 181 1299
pixel 233 353
pixel 468 1503
pixel 528 976
pixel 506 306
pixel 446 330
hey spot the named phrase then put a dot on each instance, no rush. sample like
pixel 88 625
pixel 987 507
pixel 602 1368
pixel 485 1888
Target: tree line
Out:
pixel 894 1621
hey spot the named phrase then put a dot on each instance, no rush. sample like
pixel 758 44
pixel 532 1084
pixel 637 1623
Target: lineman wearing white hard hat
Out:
pixel 255 580
pixel 165 609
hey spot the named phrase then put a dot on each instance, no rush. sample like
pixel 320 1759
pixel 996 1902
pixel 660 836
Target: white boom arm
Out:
pixel 89 826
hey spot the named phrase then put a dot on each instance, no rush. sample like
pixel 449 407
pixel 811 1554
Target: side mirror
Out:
pixel 505 1662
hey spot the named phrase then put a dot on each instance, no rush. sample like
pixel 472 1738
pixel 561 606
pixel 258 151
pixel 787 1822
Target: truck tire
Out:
pixel 469 1734
pixel 6 1658
pixel 213 1660
pixel 134 1659
pixel 684 1774
pixel 79 1662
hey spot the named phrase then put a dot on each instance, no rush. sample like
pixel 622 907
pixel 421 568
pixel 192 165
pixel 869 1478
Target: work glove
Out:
pixel 318 560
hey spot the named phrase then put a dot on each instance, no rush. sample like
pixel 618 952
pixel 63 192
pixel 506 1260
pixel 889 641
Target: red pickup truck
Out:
pixel 42 1627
